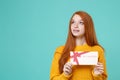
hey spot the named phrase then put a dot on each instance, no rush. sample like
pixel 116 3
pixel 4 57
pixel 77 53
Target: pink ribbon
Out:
pixel 75 55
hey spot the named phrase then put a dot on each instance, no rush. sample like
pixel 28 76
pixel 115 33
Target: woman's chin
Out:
pixel 76 35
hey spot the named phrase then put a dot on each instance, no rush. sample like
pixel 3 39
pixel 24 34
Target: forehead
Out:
pixel 76 17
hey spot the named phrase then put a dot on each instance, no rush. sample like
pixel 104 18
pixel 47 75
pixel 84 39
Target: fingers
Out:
pixel 99 66
pixel 67 68
pixel 68 64
pixel 99 69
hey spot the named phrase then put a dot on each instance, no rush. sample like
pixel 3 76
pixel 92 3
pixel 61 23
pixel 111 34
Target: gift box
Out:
pixel 84 57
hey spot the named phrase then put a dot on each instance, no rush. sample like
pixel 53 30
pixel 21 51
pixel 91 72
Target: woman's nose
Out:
pixel 76 25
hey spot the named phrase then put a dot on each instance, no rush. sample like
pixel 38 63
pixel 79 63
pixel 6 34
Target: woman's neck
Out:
pixel 80 41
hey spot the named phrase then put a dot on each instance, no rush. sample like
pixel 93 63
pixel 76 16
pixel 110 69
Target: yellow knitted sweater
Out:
pixel 79 72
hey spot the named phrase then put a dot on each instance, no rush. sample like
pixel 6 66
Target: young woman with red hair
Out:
pixel 81 37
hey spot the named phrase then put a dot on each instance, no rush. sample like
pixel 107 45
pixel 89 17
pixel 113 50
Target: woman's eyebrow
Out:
pixel 81 20
pixel 72 19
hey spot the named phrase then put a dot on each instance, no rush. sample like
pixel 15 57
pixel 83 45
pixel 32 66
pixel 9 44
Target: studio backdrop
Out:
pixel 31 30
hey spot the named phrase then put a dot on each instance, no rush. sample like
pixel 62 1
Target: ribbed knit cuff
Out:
pixel 67 76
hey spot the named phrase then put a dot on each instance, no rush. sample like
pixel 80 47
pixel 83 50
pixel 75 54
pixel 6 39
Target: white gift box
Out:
pixel 84 57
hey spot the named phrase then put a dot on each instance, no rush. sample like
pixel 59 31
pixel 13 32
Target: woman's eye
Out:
pixel 81 23
pixel 72 22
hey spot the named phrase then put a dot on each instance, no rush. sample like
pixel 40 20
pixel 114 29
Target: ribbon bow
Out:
pixel 75 55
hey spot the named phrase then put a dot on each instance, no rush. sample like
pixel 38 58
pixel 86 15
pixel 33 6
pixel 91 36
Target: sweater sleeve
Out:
pixel 102 60
pixel 54 73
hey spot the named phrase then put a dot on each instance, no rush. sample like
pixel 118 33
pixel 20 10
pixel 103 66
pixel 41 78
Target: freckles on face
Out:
pixel 77 26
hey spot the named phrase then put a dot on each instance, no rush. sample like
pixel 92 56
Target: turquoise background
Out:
pixel 30 31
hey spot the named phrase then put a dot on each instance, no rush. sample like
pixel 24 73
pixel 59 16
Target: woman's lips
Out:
pixel 76 30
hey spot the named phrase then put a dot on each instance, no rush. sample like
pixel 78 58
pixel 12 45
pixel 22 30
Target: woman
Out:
pixel 81 37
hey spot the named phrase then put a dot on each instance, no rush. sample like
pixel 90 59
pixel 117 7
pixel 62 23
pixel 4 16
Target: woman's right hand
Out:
pixel 67 68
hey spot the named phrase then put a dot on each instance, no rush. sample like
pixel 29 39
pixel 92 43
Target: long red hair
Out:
pixel 90 37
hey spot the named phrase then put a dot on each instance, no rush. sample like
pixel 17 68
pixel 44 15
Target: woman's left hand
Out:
pixel 98 69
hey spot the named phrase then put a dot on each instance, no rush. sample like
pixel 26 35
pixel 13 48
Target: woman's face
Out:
pixel 77 26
